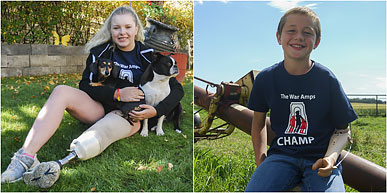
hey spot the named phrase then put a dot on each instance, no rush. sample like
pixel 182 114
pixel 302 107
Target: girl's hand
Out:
pixel 147 112
pixel 129 94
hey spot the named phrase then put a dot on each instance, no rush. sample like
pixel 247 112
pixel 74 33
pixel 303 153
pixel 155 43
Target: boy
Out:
pixel 307 107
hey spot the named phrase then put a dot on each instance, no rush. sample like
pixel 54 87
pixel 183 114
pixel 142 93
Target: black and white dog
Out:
pixel 155 85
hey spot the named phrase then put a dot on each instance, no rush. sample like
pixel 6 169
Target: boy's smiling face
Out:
pixel 298 37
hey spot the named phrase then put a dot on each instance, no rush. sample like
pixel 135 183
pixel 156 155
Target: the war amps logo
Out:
pixel 126 75
pixel 298 121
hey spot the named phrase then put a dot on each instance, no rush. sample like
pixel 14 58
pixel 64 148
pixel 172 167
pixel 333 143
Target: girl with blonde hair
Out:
pixel 120 40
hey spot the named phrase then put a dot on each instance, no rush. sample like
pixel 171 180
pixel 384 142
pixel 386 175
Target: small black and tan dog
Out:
pixel 104 68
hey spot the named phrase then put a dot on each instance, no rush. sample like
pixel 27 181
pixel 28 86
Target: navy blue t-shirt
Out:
pixel 304 109
pixel 129 64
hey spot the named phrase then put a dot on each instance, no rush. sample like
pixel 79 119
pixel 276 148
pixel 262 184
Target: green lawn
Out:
pixel 130 164
pixel 227 164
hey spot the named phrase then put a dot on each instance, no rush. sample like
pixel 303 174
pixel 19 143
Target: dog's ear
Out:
pixel 156 56
pixel 159 54
pixel 147 76
pixel 115 71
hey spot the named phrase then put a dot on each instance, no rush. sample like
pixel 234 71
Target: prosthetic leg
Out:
pixel 91 143
pixel 337 143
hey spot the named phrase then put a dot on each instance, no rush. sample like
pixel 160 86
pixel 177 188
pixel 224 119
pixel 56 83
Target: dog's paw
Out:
pixel 144 133
pixel 178 131
pixel 43 175
pixel 159 131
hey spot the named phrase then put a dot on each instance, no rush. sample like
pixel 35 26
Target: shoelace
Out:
pixel 21 162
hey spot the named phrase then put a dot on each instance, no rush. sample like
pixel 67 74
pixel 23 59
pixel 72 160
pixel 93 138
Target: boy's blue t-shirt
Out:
pixel 129 65
pixel 305 109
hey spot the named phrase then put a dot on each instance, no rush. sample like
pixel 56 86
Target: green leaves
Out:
pixel 25 22
pixel 174 13
pixel 31 22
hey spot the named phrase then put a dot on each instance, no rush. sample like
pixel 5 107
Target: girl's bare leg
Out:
pixel 78 103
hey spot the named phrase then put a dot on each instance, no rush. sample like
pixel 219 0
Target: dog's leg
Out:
pixel 96 84
pixel 177 117
pixel 159 129
pixel 144 131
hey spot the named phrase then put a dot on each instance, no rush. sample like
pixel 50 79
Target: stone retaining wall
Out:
pixel 38 59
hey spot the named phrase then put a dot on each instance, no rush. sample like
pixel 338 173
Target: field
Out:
pixel 366 109
pixel 227 164
pixel 134 164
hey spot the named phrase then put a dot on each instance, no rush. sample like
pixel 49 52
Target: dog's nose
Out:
pixel 107 72
pixel 175 69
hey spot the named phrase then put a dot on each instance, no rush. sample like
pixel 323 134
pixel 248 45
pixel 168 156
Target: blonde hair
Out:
pixel 104 34
pixel 303 11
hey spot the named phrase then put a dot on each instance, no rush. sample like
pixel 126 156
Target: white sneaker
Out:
pixel 19 165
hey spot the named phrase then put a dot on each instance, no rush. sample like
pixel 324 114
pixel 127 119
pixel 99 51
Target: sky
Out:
pixel 232 38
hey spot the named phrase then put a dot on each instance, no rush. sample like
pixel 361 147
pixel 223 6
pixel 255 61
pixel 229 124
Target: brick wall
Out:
pixel 37 59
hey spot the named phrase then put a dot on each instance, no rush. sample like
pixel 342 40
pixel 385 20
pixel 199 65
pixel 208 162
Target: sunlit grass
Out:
pixel 132 164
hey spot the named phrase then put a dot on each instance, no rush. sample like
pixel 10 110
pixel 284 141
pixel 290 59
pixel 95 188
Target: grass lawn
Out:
pixel 227 164
pixel 132 164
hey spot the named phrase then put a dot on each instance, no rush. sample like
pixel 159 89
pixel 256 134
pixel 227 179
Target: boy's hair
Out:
pixel 104 34
pixel 303 11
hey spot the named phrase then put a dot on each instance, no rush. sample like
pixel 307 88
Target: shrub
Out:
pixel 32 22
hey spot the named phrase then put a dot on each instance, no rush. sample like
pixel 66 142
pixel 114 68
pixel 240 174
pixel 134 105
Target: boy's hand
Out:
pixel 325 166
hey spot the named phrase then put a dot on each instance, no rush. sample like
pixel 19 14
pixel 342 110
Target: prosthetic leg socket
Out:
pixel 99 136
